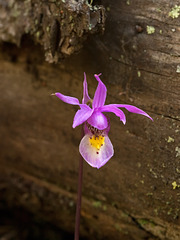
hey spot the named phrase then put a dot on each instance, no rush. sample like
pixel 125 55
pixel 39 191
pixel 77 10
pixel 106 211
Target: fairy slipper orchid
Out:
pixel 96 147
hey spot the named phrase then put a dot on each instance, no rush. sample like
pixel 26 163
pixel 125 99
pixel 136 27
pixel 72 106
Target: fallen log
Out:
pixel 136 194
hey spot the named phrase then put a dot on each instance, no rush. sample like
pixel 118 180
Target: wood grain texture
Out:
pixel 132 196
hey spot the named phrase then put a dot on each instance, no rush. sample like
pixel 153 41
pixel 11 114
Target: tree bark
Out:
pixel 136 195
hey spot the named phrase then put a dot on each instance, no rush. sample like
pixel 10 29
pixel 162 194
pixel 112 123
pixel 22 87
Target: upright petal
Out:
pixel 82 115
pixel 86 97
pixel 132 109
pixel 67 99
pixel 100 94
pixel 115 110
pixel 93 156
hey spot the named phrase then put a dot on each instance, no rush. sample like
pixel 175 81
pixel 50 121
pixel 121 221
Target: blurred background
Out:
pixel 45 47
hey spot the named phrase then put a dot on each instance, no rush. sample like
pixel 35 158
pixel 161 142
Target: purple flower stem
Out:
pixel 79 195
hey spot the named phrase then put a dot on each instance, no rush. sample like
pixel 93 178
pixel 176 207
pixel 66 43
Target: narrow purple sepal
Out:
pixel 100 94
pixel 86 97
pixel 132 109
pixel 82 115
pixel 90 155
pixel 67 99
pixel 115 110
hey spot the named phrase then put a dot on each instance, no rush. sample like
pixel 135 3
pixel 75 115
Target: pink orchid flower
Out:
pixel 96 147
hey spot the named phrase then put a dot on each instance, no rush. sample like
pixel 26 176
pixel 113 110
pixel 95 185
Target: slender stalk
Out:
pixel 79 195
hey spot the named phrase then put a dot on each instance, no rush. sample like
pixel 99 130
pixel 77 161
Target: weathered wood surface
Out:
pixel 132 196
pixel 59 26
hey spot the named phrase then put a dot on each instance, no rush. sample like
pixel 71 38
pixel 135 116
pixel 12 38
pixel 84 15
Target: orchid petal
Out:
pixel 98 120
pixel 86 97
pixel 67 99
pixel 132 109
pixel 93 157
pixel 100 94
pixel 115 110
pixel 82 115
